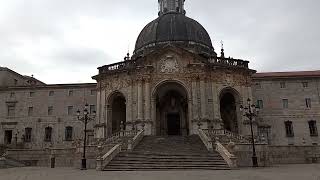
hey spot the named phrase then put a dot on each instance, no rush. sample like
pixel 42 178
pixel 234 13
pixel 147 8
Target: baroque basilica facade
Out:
pixel 174 81
pixel 174 84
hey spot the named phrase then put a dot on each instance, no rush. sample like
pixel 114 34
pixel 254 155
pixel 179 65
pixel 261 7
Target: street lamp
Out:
pixel 87 116
pixel 251 111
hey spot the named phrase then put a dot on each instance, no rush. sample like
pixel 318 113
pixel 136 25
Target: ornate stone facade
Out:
pixel 198 82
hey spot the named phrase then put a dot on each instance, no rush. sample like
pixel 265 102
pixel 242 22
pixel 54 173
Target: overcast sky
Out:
pixel 64 41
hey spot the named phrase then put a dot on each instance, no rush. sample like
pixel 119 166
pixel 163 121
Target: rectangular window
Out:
pixel 305 84
pixel 48 134
pixel 313 128
pixel 93 92
pixel 70 110
pixel 70 93
pixel 31 94
pixel 12 94
pixel 285 103
pixel 11 110
pixel 289 129
pixel 308 102
pixel 27 135
pixel 30 111
pixel 7 137
pixel 51 93
pixel 92 109
pixel 15 82
pixel 68 133
pixel 260 104
pixel 50 110
pixel 258 85
pixel 283 85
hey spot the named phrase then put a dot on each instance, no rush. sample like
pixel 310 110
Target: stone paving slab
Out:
pixel 287 172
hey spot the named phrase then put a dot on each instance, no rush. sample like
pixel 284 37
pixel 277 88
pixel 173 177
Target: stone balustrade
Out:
pixel 132 64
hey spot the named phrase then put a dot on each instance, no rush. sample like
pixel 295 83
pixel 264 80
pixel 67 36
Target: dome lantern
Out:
pixel 169 6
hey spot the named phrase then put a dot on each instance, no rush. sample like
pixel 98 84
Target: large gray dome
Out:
pixel 174 28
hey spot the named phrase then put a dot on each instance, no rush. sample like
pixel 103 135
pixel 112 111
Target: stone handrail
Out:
pixel 206 140
pixel 114 137
pixel 135 141
pixel 124 65
pixel 105 159
pixel 223 132
pixel 222 61
pixel 131 64
pixel 226 155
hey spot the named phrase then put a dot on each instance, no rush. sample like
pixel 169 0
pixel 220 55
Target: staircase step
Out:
pixel 168 153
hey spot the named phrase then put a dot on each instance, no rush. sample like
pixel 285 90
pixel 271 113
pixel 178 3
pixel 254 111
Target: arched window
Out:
pixel 68 133
pixel 48 134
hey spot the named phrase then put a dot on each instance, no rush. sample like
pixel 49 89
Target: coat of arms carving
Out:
pixel 169 65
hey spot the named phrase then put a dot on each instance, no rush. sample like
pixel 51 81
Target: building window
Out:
pixel 31 94
pixel 305 84
pixel 285 103
pixel 92 109
pixel 30 111
pixel 11 110
pixel 93 92
pixel 70 110
pixel 313 128
pixel 70 93
pixel 260 104
pixel 48 134
pixel 15 82
pixel 51 93
pixel 50 110
pixel 258 85
pixel 308 102
pixel 283 85
pixel 68 133
pixel 289 129
pixel 12 94
pixel 27 135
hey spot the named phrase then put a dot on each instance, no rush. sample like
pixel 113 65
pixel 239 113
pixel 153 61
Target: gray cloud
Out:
pixel 74 37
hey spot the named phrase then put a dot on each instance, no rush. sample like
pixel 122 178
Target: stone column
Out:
pixel 203 99
pixel 108 119
pixel 140 106
pixel 216 106
pixel 128 108
pixel 194 100
pixel 147 101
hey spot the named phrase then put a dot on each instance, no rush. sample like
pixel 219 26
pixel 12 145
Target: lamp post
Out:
pixel 87 116
pixel 251 111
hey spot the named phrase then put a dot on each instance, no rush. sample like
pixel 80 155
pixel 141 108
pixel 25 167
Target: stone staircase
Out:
pixel 168 153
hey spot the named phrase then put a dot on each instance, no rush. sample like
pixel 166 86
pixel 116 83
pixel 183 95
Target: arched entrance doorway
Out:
pixel 229 109
pixel 116 112
pixel 171 100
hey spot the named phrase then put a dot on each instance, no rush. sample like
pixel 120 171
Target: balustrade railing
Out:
pixel 223 133
pixel 124 65
pixel 216 61
pixel 229 62
pixel 116 136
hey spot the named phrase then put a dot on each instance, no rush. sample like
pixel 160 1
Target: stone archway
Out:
pixel 171 106
pixel 116 112
pixel 229 101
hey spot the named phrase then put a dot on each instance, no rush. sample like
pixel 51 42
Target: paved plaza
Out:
pixel 287 172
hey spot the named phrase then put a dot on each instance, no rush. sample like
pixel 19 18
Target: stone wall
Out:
pixel 40 100
pixel 274 115
pixel 273 155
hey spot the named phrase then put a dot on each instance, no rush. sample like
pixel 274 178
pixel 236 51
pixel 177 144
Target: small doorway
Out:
pixel 173 123
pixel 8 137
